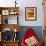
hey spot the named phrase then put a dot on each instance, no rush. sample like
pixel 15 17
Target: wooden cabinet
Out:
pixel 7 26
pixel 6 12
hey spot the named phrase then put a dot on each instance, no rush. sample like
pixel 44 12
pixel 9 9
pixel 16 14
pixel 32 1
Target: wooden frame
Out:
pixel 0 19
pixel 31 13
pixel 0 36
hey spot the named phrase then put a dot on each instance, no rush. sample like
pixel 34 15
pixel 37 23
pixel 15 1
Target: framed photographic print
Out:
pixel 31 13
pixel 5 12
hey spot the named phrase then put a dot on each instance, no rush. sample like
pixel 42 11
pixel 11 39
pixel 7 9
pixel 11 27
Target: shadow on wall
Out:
pixel 37 29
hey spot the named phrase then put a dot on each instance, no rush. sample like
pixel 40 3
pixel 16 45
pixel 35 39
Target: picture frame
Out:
pixel 30 13
pixel 13 12
pixel 5 12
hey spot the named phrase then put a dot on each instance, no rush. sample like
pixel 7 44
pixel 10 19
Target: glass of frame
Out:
pixel 30 13
pixel 5 12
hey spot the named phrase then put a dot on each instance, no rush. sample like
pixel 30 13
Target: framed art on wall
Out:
pixel 31 13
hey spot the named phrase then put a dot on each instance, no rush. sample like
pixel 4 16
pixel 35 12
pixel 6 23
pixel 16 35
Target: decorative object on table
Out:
pixel 30 38
pixel 15 3
pixel 15 37
pixel 13 12
pixel 31 13
pixel 6 21
pixel 7 34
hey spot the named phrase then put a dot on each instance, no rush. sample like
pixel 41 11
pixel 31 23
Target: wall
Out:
pixel 31 3
pixel 45 22
pixel 26 3
pixel 37 29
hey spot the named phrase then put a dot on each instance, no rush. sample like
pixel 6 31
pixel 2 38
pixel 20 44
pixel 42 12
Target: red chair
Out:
pixel 29 33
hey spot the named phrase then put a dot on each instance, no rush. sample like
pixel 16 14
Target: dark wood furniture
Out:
pixel 4 13
pixel 8 11
pixel 10 43
pixel 0 43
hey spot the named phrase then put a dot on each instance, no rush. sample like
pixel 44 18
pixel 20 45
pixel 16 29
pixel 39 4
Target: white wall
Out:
pixel 26 3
